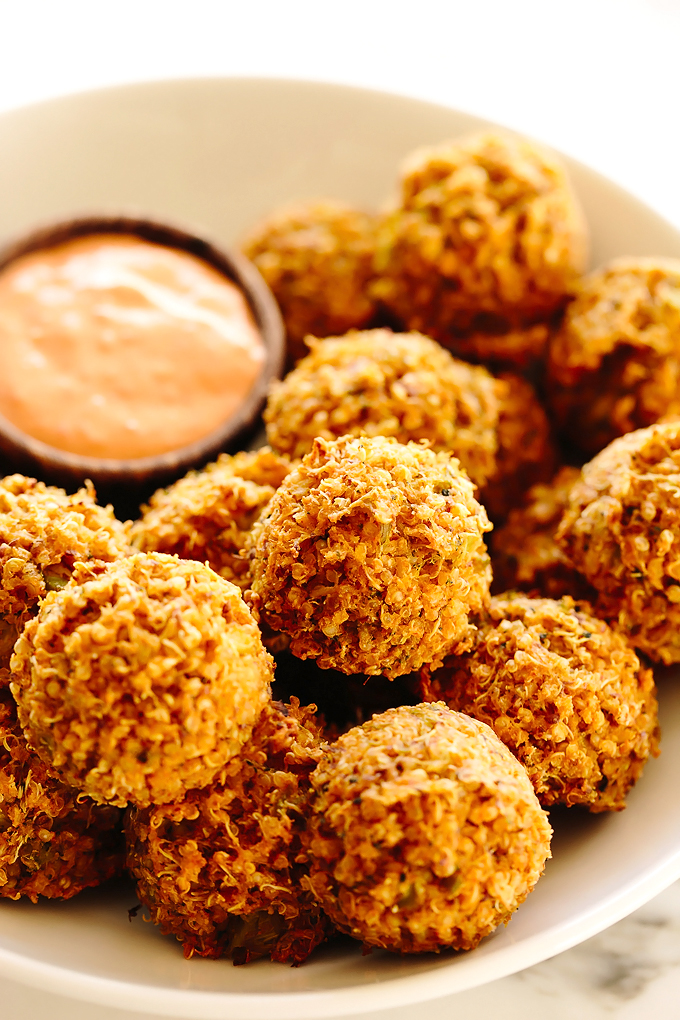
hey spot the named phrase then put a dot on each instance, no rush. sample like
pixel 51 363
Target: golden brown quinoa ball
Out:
pixel 318 261
pixel 141 678
pixel 208 514
pixel 614 366
pixel 499 347
pixel 622 532
pixel 379 383
pixel 564 692
pixel 424 833
pixel 371 557
pixel 217 868
pixel 486 227
pixel 526 451
pixel 53 841
pixel 524 553
pixel 43 533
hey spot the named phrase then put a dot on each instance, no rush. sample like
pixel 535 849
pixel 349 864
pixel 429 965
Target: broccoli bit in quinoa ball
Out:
pixel 621 530
pixel 141 678
pixel 614 365
pixel 424 831
pixel 208 514
pixel 43 533
pixel 53 841
pixel 486 226
pixel 565 693
pixel 371 556
pixel 220 868
pixel 317 258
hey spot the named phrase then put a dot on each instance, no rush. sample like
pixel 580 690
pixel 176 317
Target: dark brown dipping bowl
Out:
pixel 114 477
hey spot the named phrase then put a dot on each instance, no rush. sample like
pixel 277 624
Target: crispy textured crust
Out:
pixel 43 533
pixel 404 385
pixel 425 832
pixel 208 514
pixel 53 841
pixel 526 451
pixel 380 383
pixel 614 366
pixel 524 553
pixel 486 225
pixel 141 678
pixel 564 692
pixel 622 532
pixel 318 260
pixel 220 869
pixel 371 557
pixel 517 348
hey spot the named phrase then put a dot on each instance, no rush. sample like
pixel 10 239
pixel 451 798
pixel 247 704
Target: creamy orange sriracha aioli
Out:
pixel 111 346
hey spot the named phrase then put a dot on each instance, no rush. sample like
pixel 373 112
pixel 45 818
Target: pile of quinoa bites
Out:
pixel 335 684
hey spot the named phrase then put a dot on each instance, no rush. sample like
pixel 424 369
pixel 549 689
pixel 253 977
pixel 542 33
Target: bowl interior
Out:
pixel 218 154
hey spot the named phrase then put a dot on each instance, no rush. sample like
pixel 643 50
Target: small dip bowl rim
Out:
pixel 26 452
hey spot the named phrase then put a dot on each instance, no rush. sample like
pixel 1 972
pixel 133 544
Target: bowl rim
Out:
pixel 22 448
pixel 408 989
pixel 327 1004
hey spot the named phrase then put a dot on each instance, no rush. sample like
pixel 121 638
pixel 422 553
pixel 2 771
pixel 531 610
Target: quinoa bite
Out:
pixel 43 534
pixel 424 831
pixel 614 365
pixel 621 530
pixel 379 383
pixel 317 259
pixel 53 841
pixel 564 692
pixel 492 343
pixel 404 385
pixel 220 868
pixel 485 226
pixel 526 451
pixel 207 515
pixel 371 556
pixel 524 553
pixel 141 678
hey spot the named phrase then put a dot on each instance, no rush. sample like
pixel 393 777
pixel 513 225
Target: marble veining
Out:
pixel 619 964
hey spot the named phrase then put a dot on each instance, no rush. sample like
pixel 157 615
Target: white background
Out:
pixel 598 79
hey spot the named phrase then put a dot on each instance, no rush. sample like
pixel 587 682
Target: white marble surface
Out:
pixel 599 79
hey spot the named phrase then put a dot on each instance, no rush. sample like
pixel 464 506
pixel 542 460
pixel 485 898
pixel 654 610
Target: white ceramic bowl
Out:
pixel 219 154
